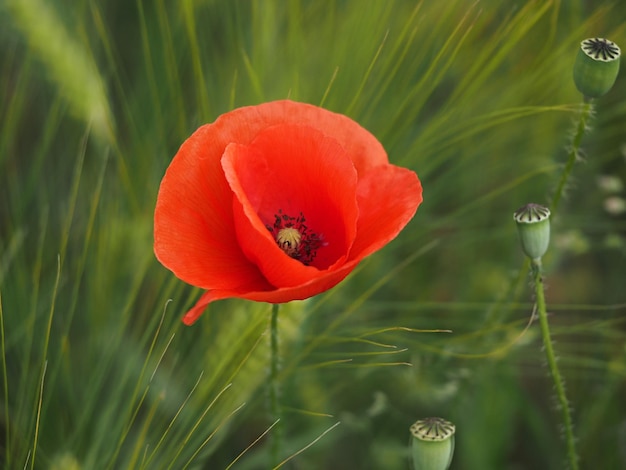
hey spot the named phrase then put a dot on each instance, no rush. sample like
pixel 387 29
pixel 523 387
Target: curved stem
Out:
pixel 585 113
pixel 274 387
pixel 559 384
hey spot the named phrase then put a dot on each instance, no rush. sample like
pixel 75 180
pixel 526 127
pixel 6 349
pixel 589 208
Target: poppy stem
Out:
pixel 557 379
pixel 274 388
pixel 581 127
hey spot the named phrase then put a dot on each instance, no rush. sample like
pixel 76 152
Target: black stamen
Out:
pixel 306 249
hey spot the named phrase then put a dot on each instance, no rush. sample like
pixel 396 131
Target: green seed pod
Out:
pixel 432 444
pixel 596 67
pixel 533 226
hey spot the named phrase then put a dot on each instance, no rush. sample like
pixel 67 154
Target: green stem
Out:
pixel 274 387
pixel 584 115
pixel 559 384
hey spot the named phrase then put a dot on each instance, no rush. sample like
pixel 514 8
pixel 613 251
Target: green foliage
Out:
pixel 477 98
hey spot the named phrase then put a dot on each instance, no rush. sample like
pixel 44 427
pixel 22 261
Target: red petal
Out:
pixel 361 146
pixel 286 294
pixel 388 197
pixel 294 169
pixel 194 234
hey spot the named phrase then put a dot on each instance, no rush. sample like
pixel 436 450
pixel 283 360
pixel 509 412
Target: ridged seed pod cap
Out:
pixel 596 66
pixel 533 226
pixel 432 444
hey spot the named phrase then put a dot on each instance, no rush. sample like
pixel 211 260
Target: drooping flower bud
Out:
pixel 596 66
pixel 432 444
pixel 533 226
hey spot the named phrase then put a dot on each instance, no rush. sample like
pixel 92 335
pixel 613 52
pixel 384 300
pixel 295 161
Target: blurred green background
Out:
pixel 477 97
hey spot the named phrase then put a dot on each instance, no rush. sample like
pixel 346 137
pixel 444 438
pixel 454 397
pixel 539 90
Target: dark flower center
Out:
pixel 294 238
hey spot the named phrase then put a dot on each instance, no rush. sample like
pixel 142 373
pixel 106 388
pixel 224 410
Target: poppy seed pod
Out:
pixel 533 226
pixel 596 66
pixel 432 444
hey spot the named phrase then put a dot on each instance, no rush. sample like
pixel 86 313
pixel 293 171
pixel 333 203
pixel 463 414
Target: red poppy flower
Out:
pixel 278 202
